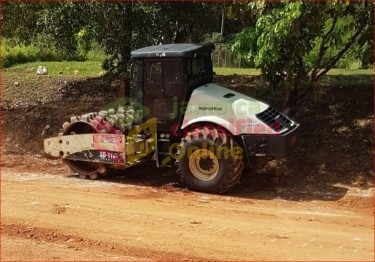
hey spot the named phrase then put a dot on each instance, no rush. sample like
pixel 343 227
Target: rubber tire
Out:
pixel 230 169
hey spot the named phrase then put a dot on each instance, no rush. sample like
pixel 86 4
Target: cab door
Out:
pixel 163 88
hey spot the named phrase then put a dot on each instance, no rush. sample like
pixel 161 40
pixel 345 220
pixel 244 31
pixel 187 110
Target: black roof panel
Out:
pixel 171 50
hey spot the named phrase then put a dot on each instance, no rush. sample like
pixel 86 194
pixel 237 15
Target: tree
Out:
pixel 118 27
pixel 121 26
pixel 59 24
pixel 295 44
pixel 111 24
pixel 19 20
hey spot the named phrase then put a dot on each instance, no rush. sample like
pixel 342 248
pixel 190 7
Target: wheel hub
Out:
pixel 203 164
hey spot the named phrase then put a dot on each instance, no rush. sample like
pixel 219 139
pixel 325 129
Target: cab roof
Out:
pixel 172 50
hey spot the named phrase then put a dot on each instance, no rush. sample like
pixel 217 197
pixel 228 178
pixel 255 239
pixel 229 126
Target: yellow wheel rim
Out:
pixel 203 164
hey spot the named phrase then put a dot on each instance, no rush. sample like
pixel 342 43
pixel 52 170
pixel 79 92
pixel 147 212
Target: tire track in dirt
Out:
pixel 77 242
pixel 168 223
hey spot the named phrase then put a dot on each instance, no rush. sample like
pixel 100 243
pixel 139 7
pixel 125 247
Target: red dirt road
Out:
pixel 47 216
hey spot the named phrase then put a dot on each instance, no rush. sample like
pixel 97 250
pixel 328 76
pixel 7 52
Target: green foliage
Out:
pixel 295 43
pixel 184 21
pixel 19 21
pixel 119 26
pixel 73 28
pixel 63 25
pixel 96 53
pixel 13 54
pixel 16 54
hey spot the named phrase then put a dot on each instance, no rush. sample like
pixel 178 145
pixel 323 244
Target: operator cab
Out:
pixel 166 77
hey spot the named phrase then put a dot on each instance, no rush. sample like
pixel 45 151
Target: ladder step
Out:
pixel 163 153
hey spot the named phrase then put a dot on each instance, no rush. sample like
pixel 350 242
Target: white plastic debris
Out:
pixel 42 70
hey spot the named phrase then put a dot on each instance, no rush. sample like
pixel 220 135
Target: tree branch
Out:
pixel 323 48
pixel 305 92
pixel 332 62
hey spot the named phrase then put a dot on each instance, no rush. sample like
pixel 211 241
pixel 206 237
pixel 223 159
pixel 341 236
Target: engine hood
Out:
pixel 234 111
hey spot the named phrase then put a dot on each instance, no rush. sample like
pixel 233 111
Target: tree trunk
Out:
pixel 181 37
pixel 319 71
pixel 286 107
pixel 124 87
pixel 290 101
pixel 124 79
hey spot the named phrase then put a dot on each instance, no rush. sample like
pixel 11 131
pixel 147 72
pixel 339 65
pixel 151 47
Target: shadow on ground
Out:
pixel 253 185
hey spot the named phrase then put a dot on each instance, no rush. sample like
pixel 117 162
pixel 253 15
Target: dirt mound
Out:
pixel 335 145
pixel 37 107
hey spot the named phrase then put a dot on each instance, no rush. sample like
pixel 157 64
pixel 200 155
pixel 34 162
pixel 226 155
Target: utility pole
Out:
pixel 221 33
pixel 222 23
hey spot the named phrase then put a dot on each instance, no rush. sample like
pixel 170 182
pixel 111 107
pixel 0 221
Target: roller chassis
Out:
pixel 209 142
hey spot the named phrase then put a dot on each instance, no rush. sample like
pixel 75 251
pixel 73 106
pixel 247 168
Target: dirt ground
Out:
pixel 316 204
pixel 48 215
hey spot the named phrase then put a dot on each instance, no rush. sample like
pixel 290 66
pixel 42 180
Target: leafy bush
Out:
pixel 12 54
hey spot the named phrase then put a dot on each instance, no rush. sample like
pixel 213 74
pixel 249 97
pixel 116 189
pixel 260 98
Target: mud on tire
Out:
pixel 209 160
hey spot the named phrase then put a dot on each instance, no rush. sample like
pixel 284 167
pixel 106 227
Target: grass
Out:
pixel 87 68
pixel 254 71
pixel 339 71
pixel 12 55
pixel 93 68
pixel 238 71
